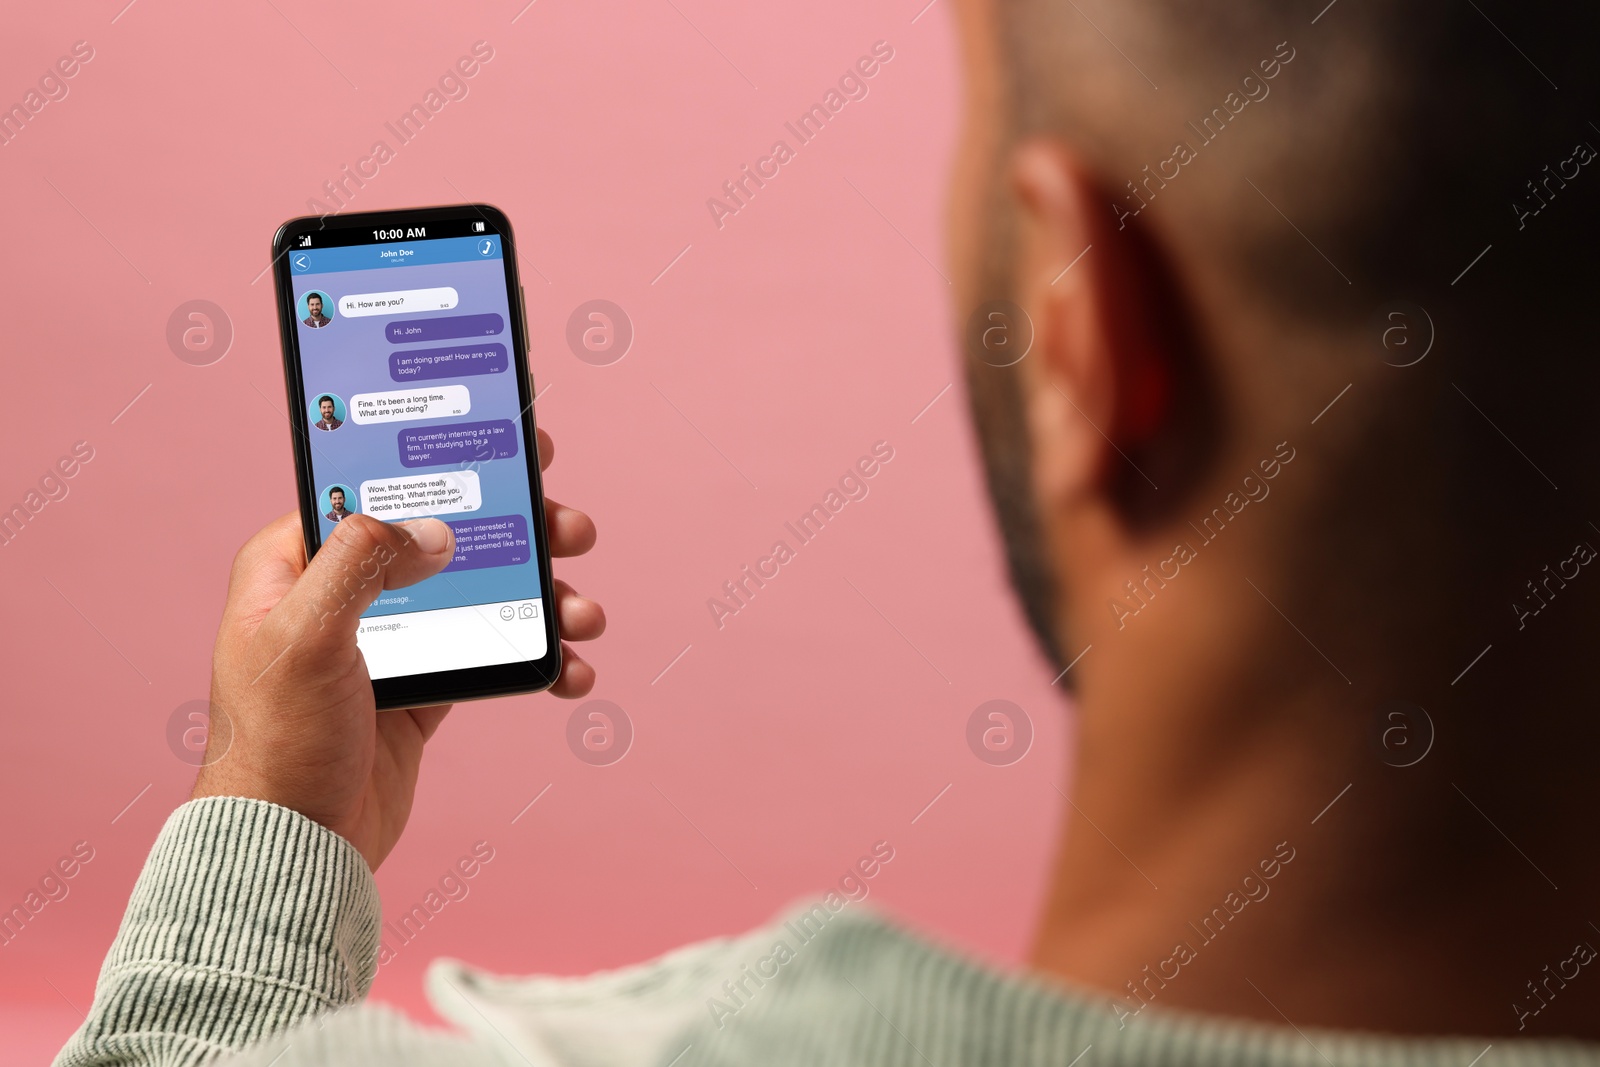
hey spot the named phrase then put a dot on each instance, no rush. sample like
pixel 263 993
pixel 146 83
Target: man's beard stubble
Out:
pixel 995 395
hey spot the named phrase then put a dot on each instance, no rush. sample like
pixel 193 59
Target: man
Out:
pixel 336 510
pixel 325 407
pixel 1278 478
pixel 315 318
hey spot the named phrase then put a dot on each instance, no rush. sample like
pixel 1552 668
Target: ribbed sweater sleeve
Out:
pixel 246 919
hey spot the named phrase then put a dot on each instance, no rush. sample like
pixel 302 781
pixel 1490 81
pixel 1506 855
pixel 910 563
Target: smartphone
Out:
pixel 405 353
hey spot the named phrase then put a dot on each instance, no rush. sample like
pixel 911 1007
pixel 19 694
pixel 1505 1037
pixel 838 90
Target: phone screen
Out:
pixel 414 405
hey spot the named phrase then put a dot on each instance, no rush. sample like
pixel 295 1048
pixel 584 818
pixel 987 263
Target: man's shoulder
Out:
pixel 825 983
pixel 760 997
pixel 802 989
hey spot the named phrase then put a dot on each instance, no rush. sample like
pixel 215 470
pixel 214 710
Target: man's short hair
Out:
pixel 1401 139
pixel 329 399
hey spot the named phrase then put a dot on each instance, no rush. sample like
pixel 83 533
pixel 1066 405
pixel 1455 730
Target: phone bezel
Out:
pixel 469 683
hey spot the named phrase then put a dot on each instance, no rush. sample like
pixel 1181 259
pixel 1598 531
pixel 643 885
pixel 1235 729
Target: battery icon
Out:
pixel 477 227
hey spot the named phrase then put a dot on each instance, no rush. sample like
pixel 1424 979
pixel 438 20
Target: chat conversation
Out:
pixel 403 405
pixel 398 302
pixel 463 443
pixel 444 328
pixel 411 496
pixel 454 361
pixel 490 541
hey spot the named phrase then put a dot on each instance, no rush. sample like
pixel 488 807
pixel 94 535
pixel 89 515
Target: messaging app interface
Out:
pixel 413 410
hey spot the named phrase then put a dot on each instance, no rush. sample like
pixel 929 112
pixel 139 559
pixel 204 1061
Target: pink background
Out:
pixel 807 328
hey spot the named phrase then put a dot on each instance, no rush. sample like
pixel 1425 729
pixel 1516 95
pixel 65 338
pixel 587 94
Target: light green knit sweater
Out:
pixel 253 928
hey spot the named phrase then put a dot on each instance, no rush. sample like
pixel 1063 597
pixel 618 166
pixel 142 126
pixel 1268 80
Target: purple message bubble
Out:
pixel 496 541
pixel 455 361
pixel 444 327
pixel 464 443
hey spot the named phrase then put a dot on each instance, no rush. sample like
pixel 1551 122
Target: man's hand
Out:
pixel 292 705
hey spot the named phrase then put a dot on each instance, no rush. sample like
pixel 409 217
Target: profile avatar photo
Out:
pixel 328 412
pixel 332 504
pixel 312 311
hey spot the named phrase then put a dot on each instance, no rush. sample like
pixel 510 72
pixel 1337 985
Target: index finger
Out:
pixel 547 448
pixel 266 567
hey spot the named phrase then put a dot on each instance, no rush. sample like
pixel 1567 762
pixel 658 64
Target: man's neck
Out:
pixel 1242 839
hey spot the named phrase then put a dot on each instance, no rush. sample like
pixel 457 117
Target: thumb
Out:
pixel 361 559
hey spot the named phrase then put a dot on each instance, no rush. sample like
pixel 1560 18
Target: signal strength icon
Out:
pixel 305 242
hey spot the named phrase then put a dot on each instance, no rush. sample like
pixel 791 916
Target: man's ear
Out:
pixel 1112 347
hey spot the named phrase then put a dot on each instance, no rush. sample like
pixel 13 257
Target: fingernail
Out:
pixel 431 535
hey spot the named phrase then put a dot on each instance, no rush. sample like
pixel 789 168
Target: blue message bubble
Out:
pixel 454 361
pixel 463 443
pixel 444 327
pixel 494 541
